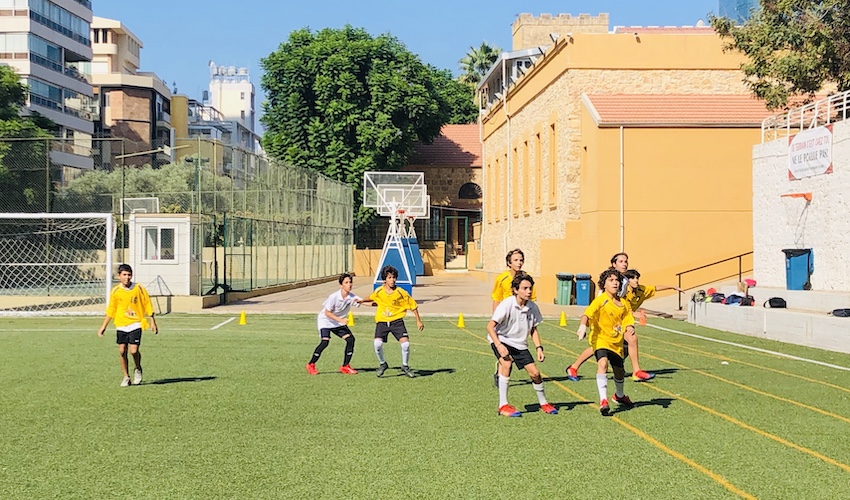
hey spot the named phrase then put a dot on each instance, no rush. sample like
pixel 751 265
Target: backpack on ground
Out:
pixel 775 303
pixel 733 300
pixel 840 313
pixel 717 297
pixel 749 300
pixel 699 296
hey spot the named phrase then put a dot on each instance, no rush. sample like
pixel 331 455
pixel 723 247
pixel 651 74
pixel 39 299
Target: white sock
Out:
pixel 541 397
pixel 503 390
pixel 379 350
pixel 405 352
pixel 602 385
pixel 619 385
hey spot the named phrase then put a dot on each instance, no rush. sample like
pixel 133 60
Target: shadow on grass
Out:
pixel 178 380
pixel 564 406
pixel 662 402
pixel 395 371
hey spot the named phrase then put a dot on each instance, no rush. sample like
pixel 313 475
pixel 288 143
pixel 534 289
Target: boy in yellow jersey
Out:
pixel 393 304
pixel 610 319
pixel 638 293
pixel 515 259
pixel 129 304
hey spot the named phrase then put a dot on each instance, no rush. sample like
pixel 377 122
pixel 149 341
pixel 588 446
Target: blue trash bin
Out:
pixel 799 266
pixel 584 286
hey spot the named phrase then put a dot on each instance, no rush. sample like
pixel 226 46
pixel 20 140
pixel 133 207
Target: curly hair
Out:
pixel 609 272
pixel 519 278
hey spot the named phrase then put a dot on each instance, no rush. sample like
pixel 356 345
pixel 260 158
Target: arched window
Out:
pixel 469 191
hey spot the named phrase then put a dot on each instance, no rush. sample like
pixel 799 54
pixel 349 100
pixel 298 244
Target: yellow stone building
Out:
pixel 634 139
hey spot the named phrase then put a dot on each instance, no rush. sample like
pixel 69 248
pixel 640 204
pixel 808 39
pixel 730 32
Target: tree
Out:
pixel 477 62
pixel 459 96
pixel 342 102
pixel 793 48
pixel 26 173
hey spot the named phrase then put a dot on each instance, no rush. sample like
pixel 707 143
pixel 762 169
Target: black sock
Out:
pixel 349 350
pixel 318 352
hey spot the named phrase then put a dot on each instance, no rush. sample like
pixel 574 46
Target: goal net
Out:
pixel 55 263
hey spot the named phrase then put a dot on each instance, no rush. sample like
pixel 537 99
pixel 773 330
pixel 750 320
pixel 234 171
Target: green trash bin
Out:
pixel 565 289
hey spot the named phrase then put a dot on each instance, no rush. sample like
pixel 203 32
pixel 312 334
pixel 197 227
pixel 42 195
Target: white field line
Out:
pixel 780 354
pixel 216 327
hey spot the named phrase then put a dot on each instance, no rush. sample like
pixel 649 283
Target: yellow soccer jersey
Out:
pixel 502 288
pixel 608 322
pixel 638 295
pixel 391 306
pixel 129 306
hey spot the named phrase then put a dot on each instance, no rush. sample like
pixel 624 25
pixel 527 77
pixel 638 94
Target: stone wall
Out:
pixel 444 183
pixel 530 31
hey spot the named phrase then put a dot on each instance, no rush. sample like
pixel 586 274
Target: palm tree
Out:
pixel 476 62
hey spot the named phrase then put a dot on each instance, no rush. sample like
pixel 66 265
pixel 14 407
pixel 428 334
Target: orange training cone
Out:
pixel 350 318
pixel 242 320
pixel 641 317
pixel 563 321
pixel 460 323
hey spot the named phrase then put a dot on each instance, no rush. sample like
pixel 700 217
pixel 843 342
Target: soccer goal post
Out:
pixel 55 263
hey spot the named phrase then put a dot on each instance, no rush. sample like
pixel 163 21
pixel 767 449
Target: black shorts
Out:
pixel 521 357
pixel 339 331
pixel 396 327
pixel 134 337
pixel 613 358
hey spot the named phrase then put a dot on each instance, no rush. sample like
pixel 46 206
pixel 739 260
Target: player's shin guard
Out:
pixel 619 388
pixel 379 350
pixel 503 390
pixel 405 353
pixel 349 350
pixel 602 385
pixel 318 352
pixel 541 396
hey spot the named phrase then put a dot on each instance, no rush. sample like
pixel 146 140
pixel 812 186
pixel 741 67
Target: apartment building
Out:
pixel 45 41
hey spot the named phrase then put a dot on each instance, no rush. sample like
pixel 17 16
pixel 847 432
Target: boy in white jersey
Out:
pixel 334 319
pixel 514 320
pixel 129 304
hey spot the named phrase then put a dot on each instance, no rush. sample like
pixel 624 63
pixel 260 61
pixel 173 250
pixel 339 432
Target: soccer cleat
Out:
pixel 625 400
pixel 509 411
pixel 137 376
pixel 604 409
pixel 408 371
pixel 572 374
pixel 381 369
pixel 348 370
pixel 549 408
pixel 642 376
pixel 125 382
pixel 311 369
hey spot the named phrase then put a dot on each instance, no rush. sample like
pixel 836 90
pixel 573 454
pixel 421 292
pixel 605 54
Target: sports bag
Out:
pixel 717 297
pixel 840 313
pixel 776 303
pixel 748 301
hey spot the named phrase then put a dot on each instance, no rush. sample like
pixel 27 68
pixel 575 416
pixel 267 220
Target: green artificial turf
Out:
pixel 232 413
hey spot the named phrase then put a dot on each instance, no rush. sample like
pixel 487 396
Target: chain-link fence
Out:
pixel 256 223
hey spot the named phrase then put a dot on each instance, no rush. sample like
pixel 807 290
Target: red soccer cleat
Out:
pixel 625 400
pixel 348 370
pixel 549 408
pixel 311 369
pixel 509 411
pixel 604 409
pixel 572 374
pixel 642 376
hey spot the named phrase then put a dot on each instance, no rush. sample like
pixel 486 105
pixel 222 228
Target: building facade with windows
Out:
pixel 45 42
pixel 134 106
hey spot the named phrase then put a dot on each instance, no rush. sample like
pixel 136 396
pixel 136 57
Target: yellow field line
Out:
pixel 760 367
pixel 658 444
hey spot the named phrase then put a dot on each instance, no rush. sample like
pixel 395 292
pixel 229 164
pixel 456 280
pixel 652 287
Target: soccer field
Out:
pixel 231 413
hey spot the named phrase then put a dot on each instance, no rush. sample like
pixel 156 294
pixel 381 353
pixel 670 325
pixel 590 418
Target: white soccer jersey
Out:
pixel 514 322
pixel 336 305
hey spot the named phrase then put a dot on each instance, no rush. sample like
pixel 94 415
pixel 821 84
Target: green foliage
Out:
pixel 477 62
pixel 459 96
pixel 342 102
pixel 793 48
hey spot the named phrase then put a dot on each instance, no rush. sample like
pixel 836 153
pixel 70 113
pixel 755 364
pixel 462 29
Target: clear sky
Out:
pixel 180 37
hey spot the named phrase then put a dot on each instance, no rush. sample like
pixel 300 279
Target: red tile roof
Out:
pixel 456 146
pixel 691 110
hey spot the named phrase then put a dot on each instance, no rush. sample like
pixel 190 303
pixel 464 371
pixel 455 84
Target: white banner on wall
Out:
pixel 810 153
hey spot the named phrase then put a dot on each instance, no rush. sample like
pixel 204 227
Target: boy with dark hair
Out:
pixel 502 290
pixel 393 303
pixel 638 293
pixel 514 320
pixel 333 318
pixel 610 318
pixel 128 306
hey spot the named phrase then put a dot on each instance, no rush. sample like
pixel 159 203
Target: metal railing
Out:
pixel 740 271
pixel 821 112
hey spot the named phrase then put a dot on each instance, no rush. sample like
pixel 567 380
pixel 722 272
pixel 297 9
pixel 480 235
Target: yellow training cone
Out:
pixel 563 319
pixel 242 320
pixel 350 318
pixel 460 323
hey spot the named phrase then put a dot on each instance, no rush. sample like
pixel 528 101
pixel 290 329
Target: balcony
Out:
pixel 163 120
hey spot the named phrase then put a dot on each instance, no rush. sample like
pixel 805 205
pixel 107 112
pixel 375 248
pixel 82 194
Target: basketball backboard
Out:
pixel 392 192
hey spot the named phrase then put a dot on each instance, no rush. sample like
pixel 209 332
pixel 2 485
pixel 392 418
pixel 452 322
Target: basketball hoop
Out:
pixel 795 211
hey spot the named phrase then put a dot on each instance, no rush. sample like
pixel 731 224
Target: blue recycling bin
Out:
pixel 584 286
pixel 565 289
pixel 799 266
